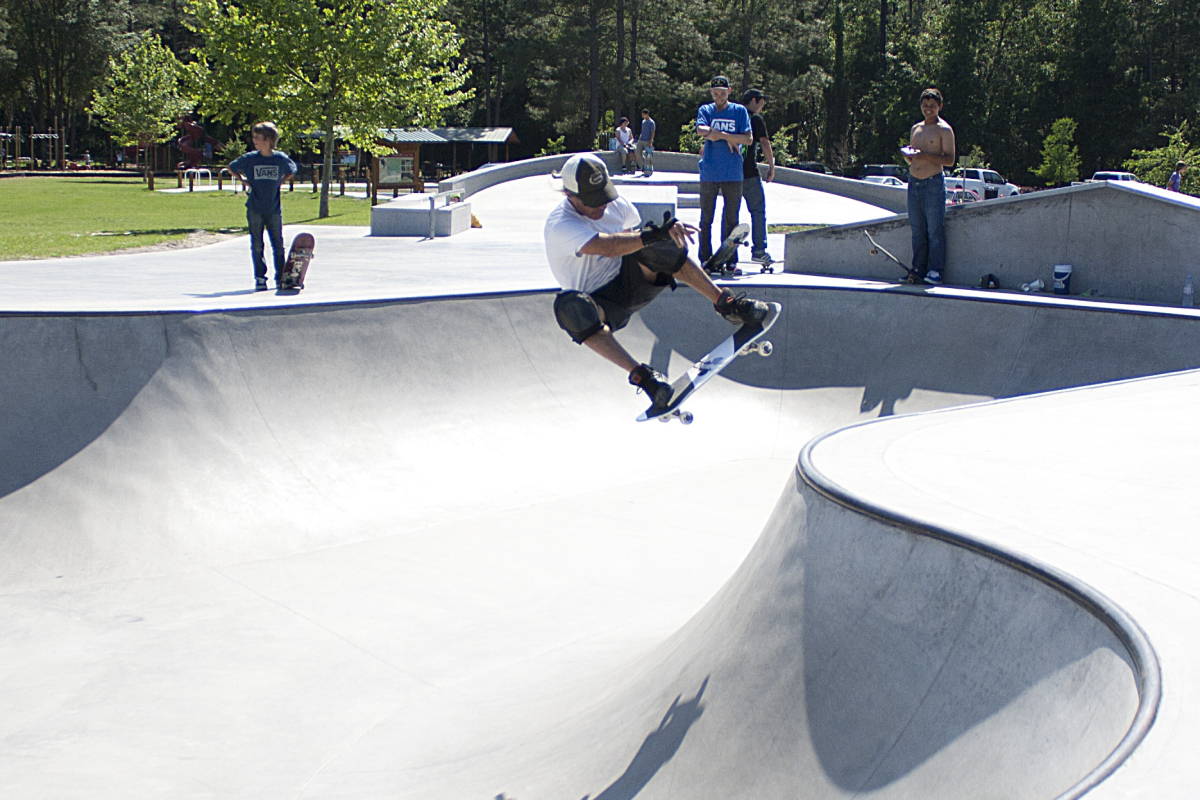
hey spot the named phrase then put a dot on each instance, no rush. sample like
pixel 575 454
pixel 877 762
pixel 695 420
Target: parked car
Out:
pixel 956 197
pixel 986 183
pixel 1114 176
pixel 893 170
pixel 885 180
pixel 814 166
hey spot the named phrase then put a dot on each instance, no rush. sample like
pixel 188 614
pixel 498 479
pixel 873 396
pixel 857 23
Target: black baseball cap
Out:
pixel 585 176
pixel 719 81
pixel 753 94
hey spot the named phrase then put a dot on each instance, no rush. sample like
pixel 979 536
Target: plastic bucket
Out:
pixel 1062 278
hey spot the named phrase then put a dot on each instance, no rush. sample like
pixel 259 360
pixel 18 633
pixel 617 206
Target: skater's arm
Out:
pixel 768 156
pixel 626 242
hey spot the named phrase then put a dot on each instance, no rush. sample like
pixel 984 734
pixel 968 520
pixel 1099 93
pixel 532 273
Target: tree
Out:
pixel 341 67
pixel 1155 166
pixel 1060 156
pixel 62 48
pixel 140 101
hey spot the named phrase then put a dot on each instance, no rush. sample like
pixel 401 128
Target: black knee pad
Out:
pixel 663 257
pixel 578 315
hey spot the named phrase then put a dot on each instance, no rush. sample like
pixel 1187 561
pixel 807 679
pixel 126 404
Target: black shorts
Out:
pixel 621 297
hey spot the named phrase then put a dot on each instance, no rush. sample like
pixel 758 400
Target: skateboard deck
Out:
pixel 299 256
pixel 744 341
pixel 877 248
pixel 717 261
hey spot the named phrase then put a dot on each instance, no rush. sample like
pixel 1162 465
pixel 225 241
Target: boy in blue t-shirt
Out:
pixel 264 170
pixel 725 127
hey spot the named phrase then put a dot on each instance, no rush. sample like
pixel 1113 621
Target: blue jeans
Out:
pixel 273 224
pixel 927 219
pixel 731 194
pixel 756 204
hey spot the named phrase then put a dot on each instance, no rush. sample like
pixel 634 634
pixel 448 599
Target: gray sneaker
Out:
pixel 762 258
pixel 933 277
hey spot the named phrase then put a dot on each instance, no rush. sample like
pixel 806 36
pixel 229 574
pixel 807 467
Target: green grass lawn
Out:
pixel 44 217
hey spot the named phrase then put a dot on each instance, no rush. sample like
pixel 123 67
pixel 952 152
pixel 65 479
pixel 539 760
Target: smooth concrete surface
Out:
pixel 506 254
pixel 1127 241
pixel 399 537
pixel 665 161
pixel 1099 482
pixel 421 549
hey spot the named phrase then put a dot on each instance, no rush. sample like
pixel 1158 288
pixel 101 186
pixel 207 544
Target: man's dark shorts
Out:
pixel 578 313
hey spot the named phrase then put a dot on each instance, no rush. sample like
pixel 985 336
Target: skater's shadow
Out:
pixel 224 294
pixel 657 749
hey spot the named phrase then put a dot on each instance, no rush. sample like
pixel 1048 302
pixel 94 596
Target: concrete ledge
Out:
pixel 651 201
pixel 1128 242
pixel 405 217
pixel 889 197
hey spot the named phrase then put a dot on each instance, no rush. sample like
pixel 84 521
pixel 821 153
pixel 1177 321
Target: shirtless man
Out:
pixel 931 147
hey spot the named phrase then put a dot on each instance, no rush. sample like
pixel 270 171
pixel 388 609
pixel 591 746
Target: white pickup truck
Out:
pixel 986 183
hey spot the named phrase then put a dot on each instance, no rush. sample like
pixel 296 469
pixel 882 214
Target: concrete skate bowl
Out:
pixel 416 549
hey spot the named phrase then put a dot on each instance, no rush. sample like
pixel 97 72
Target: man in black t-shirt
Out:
pixel 752 184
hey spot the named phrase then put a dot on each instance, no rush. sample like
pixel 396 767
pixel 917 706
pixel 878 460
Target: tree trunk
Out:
pixel 594 68
pixel 747 29
pixel 633 62
pixel 487 68
pixel 883 15
pixel 327 166
pixel 619 89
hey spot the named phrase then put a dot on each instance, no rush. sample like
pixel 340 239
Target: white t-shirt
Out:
pixel 625 135
pixel 567 230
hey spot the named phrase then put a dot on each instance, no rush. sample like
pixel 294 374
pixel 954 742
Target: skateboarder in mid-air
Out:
pixel 264 170
pixel 609 269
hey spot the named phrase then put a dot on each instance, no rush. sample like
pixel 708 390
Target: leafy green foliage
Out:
pixel 689 140
pixel 783 142
pixel 141 101
pixel 1060 156
pixel 348 67
pixel 553 147
pixel 1155 166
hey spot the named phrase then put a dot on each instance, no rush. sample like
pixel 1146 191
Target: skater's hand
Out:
pixel 683 234
pixel 770 173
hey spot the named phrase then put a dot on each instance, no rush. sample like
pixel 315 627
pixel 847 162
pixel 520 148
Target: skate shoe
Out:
pixel 763 258
pixel 653 383
pixel 933 277
pixel 741 310
pixel 260 284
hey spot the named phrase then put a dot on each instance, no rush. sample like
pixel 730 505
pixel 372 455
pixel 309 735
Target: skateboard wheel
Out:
pixel 665 418
pixel 686 418
pixel 765 349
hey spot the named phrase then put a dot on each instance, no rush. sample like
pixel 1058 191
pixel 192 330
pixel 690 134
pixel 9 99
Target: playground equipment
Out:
pixel 195 144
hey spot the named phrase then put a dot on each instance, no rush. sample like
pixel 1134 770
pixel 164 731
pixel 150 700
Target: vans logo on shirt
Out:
pixel 724 125
pixel 266 172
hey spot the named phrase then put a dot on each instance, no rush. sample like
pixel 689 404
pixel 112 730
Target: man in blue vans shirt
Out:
pixel 725 127
pixel 264 170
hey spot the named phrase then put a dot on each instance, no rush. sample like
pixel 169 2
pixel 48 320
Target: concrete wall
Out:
pixel 404 217
pixel 888 197
pixel 1129 242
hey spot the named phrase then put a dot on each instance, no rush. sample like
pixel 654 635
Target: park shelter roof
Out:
pixel 477 135
pixel 417 135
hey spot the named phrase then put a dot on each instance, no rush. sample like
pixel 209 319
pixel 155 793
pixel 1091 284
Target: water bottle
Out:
pixel 1189 292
